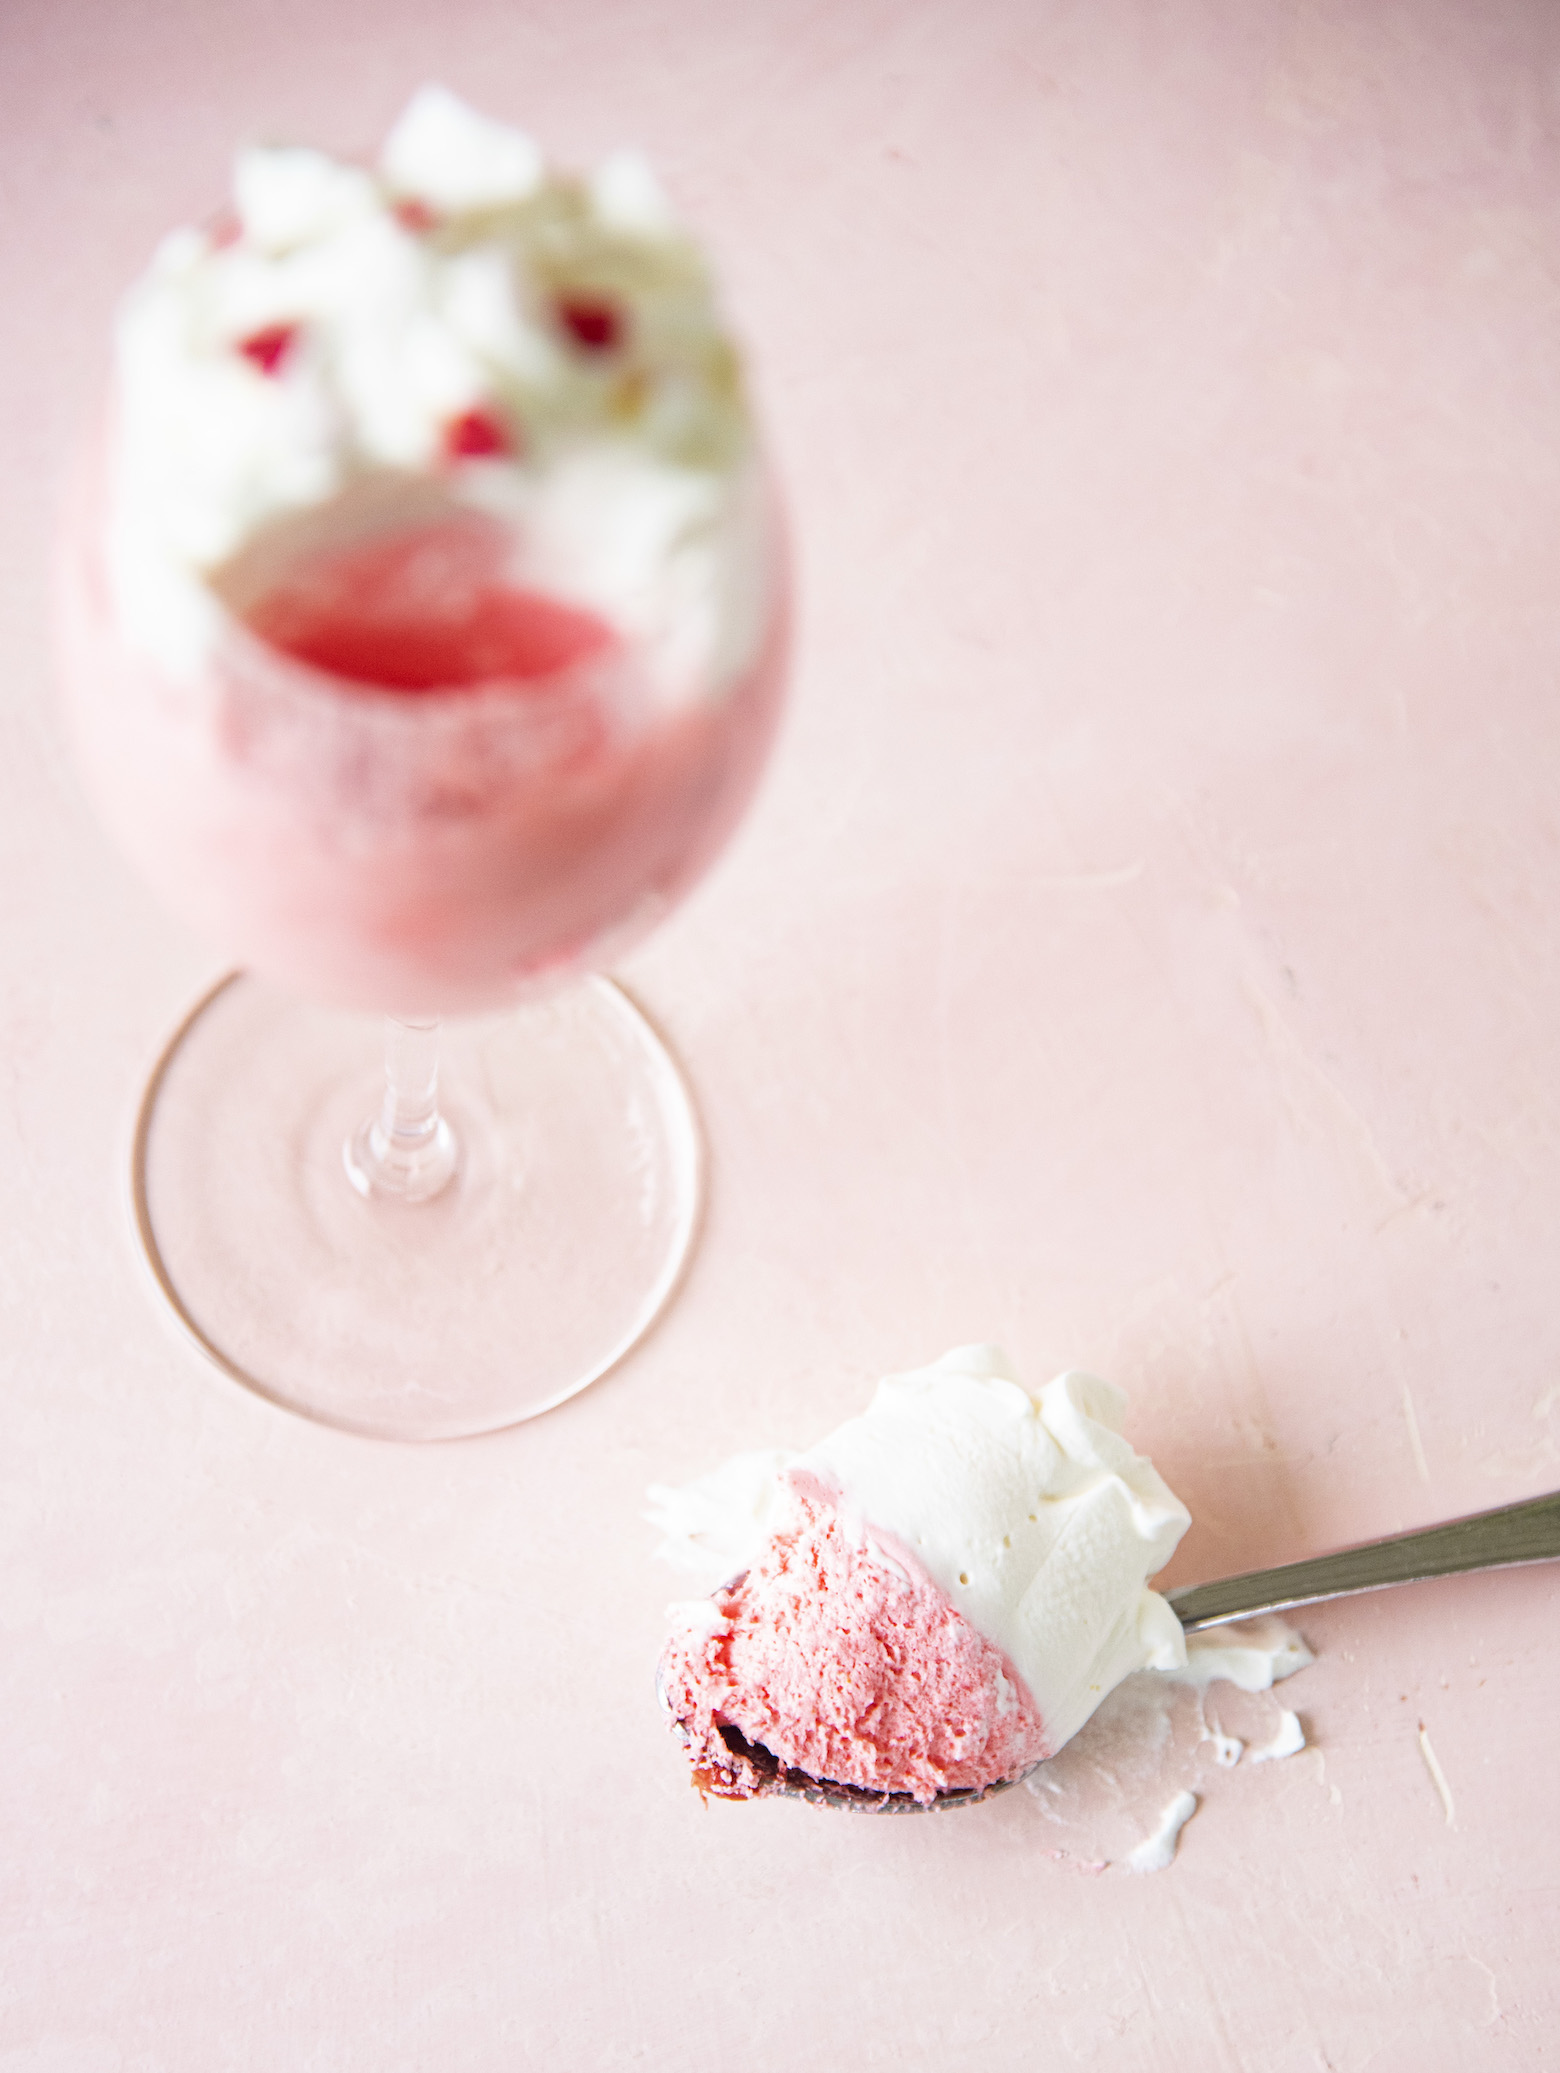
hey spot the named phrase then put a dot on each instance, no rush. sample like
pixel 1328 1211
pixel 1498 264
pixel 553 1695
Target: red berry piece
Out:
pixel 414 215
pixel 268 348
pixel 595 325
pixel 475 435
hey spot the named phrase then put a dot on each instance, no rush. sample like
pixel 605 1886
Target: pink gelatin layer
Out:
pixel 399 786
pixel 423 609
pixel 838 1656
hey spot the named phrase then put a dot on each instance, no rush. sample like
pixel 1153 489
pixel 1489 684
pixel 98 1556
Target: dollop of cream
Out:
pixel 1031 1513
pixel 531 341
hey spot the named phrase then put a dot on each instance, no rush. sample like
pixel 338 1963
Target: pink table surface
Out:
pixel 1146 953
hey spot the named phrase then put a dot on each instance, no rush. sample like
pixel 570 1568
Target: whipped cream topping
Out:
pixel 1032 1514
pixel 544 347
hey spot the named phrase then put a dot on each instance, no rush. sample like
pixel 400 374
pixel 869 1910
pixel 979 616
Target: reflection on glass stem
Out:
pixel 408 1152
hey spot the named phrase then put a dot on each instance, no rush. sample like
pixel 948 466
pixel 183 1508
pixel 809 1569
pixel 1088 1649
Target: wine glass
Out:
pixel 447 754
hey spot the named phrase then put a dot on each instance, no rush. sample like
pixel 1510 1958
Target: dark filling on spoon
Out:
pixel 763 1775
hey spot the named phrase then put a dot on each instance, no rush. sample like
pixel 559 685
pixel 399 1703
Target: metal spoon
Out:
pixel 1505 1538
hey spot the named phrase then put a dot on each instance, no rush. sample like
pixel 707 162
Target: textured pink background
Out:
pixel 1146 952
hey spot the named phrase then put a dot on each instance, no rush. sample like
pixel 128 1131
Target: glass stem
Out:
pixel 408 1152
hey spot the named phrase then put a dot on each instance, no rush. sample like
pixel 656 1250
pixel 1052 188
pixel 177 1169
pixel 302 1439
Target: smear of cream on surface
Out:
pixel 1157 1848
pixel 1118 1797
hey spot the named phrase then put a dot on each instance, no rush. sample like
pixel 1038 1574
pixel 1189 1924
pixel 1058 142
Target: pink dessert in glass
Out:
pixel 506 798
pixel 422 620
pixel 427 641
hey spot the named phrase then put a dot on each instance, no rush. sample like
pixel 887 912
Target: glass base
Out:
pixel 551 1252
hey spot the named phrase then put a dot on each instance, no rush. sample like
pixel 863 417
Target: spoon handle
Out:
pixel 1501 1539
